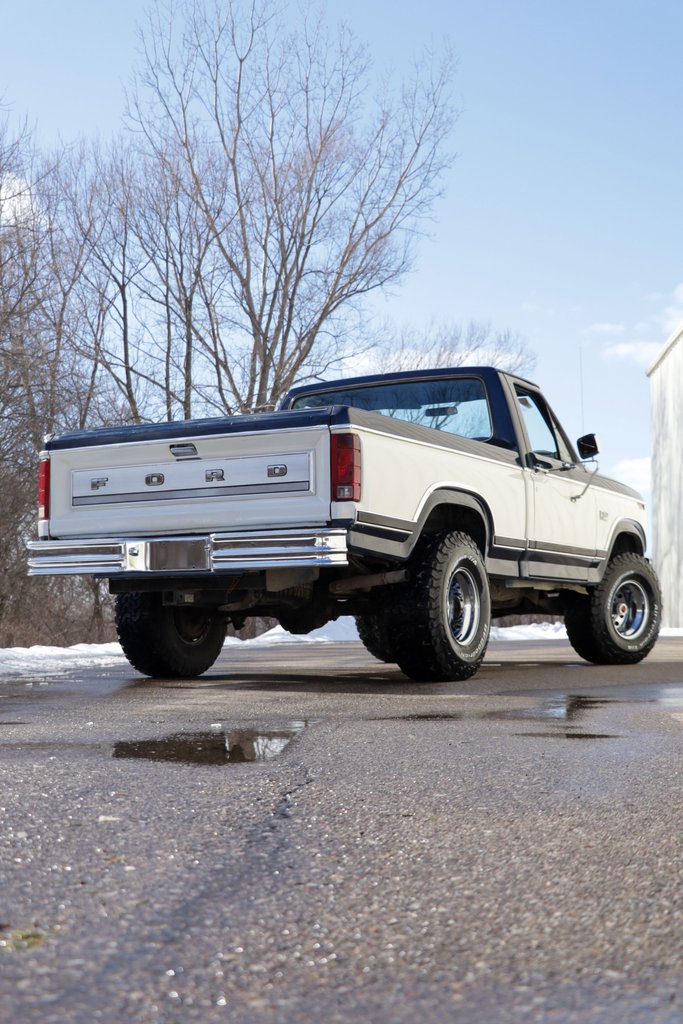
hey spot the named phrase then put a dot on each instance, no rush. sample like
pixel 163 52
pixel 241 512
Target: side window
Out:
pixel 541 431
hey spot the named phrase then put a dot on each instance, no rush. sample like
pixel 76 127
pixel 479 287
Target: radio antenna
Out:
pixel 583 414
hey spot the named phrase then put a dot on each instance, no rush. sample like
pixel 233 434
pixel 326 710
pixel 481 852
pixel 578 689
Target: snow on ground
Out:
pixel 32 661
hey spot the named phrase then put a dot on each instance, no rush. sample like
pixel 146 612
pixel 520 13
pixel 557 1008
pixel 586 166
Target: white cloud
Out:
pixel 640 352
pixel 537 309
pixel 642 349
pixel 605 328
pixel 634 472
pixel 671 316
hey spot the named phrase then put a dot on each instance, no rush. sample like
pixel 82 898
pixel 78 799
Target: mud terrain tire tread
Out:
pixel 589 627
pixel 374 631
pixel 150 638
pixel 424 648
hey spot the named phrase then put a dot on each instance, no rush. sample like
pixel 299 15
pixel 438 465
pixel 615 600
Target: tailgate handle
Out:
pixel 184 451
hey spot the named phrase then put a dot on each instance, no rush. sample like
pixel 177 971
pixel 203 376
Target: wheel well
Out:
pixel 625 543
pixel 457 517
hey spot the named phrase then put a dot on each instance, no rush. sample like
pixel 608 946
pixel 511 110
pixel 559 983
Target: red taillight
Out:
pixel 44 489
pixel 345 457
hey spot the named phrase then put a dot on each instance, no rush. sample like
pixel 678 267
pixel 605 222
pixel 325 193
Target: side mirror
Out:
pixel 588 446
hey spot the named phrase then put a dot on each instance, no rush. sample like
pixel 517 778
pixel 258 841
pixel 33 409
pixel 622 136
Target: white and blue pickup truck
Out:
pixel 423 503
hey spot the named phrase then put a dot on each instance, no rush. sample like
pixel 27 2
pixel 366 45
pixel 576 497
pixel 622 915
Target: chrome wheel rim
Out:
pixel 630 611
pixel 464 606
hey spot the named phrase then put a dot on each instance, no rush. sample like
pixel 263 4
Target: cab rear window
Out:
pixel 457 406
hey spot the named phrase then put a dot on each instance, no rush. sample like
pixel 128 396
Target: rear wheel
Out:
pixel 164 640
pixel 618 622
pixel 374 629
pixel 443 619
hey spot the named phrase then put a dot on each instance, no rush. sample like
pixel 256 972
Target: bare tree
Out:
pixel 103 207
pixel 311 191
pixel 176 245
pixel 443 345
pixel 45 383
pixel 148 265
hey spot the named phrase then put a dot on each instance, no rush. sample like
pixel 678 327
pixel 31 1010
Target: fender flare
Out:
pixel 623 526
pixel 630 527
pixel 396 539
pixel 457 498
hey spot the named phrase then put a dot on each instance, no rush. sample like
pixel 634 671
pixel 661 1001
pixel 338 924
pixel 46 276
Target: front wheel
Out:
pixel 164 640
pixel 443 619
pixel 618 622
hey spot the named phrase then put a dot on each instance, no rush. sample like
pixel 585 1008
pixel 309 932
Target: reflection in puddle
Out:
pixel 671 695
pixel 564 735
pixel 559 709
pixel 239 746
pixel 569 711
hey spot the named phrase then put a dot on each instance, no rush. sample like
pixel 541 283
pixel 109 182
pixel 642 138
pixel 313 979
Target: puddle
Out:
pixel 670 695
pixel 568 711
pixel 447 716
pixel 569 715
pixel 562 734
pixel 555 709
pixel 237 746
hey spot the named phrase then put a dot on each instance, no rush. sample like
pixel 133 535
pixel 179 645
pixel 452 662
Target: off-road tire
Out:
pixel 164 641
pixel 442 618
pixel 577 621
pixel 374 630
pixel 618 622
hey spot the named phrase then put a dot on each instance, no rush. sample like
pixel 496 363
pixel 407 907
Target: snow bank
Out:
pixel 344 630
pixel 42 661
pixel 21 661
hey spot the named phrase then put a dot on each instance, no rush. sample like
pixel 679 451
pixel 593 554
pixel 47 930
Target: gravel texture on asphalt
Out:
pixel 505 850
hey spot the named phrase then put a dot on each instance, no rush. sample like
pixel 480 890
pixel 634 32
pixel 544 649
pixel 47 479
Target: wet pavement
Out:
pixel 302 834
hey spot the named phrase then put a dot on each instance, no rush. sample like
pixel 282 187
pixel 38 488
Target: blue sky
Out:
pixel 562 213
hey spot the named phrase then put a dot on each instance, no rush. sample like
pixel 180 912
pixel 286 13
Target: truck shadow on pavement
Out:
pixel 557 672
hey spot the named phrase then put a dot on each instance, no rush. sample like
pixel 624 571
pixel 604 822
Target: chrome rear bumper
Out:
pixel 215 552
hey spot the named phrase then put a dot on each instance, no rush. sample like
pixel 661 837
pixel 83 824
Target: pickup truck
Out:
pixel 423 503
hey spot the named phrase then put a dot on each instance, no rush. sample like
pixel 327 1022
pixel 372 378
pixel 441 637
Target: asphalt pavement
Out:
pixel 302 834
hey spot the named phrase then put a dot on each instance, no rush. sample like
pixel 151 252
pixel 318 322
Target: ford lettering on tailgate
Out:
pixel 191 478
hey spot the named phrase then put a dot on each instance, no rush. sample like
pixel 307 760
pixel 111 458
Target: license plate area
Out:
pixel 176 556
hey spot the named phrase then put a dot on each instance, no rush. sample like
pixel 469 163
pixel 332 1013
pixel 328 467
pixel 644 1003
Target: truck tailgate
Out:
pixel 241 473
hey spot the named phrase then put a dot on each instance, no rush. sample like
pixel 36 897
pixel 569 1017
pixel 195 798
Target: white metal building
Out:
pixel 666 405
